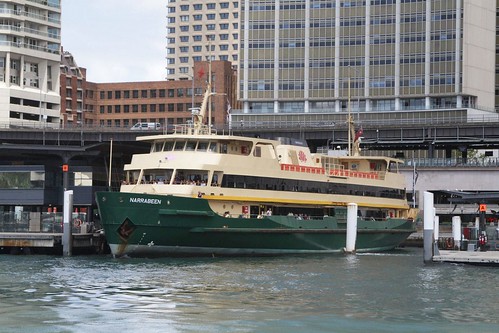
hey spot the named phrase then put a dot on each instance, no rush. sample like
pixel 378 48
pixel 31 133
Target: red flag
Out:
pixel 358 134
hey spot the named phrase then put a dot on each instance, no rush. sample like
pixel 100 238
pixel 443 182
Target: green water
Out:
pixel 391 292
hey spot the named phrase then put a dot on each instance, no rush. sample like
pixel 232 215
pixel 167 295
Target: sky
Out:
pixel 116 40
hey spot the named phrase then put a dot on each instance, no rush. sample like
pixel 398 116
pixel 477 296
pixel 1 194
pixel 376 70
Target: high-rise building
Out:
pixel 200 31
pixel 30 40
pixel 312 56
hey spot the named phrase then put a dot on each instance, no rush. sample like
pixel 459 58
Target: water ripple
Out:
pixel 376 293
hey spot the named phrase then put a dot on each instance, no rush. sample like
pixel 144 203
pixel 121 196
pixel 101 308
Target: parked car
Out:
pixel 146 127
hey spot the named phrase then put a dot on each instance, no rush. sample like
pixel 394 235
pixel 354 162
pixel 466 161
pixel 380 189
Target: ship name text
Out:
pixel 146 201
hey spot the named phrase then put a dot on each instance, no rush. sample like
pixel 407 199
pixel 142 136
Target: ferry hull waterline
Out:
pixel 142 225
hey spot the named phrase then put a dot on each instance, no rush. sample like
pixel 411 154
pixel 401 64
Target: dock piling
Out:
pixel 67 236
pixel 456 231
pixel 351 227
pixel 428 225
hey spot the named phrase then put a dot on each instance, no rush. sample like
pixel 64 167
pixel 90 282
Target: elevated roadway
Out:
pixel 376 136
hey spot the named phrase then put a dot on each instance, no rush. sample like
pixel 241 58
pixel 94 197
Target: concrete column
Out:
pixel 368 104
pixel 7 69
pixel 427 68
pixel 306 71
pixel 457 53
pixel 337 29
pixel 245 93
pixel 397 55
pixel 276 55
pixel 367 54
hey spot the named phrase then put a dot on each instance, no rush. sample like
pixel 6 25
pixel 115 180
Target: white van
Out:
pixel 146 127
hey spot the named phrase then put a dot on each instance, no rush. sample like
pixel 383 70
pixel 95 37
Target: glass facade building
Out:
pixel 312 56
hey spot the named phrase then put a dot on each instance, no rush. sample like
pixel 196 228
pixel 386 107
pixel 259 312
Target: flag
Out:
pixel 358 134
pixel 201 73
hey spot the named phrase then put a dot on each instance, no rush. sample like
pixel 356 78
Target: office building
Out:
pixel 123 104
pixel 199 31
pixel 30 39
pixel 312 56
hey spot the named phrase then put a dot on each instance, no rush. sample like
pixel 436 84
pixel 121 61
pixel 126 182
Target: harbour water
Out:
pixel 390 292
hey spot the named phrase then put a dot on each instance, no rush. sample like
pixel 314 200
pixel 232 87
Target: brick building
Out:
pixel 73 87
pixel 122 104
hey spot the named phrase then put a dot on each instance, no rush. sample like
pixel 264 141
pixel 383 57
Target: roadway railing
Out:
pixel 250 121
pixel 340 121
pixel 452 162
pixel 300 122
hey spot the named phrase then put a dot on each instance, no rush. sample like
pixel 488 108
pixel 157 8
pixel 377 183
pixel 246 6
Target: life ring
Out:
pixel 449 243
pixel 77 223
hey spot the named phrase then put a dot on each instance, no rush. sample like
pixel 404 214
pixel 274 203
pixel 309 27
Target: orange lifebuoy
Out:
pixel 77 223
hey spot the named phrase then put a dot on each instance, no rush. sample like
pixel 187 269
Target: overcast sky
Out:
pixel 116 40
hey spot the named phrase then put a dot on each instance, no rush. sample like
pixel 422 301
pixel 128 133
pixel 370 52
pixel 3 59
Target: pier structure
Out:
pixel 477 251
pixel 50 243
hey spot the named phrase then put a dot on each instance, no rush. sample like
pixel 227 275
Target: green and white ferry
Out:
pixel 201 193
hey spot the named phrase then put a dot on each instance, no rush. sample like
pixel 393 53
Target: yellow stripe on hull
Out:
pixel 301 202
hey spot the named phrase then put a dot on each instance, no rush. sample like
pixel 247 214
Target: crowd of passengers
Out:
pixel 177 181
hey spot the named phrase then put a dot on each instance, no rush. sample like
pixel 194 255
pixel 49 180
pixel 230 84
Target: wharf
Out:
pixel 416 239
pixel 34 242
pixel 487 258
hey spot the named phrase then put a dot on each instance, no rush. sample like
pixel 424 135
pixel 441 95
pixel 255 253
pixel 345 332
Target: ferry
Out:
pixel 199 192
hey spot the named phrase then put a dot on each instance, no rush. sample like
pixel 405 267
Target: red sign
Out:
pixel 483 207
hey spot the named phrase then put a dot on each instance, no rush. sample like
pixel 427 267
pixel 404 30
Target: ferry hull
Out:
pixel 143 225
